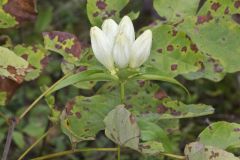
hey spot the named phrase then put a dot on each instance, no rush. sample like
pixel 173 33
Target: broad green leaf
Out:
pixel 198 151
pixel 36 57
pixel 12 66
pixel 98 10
pixel 18 139
pixel 44 19
pixel 173 53
pixel 83 117
pixel 218 38
pixel 213 135
pixel 176 10
pixel 151 148
pixel 158 107
pixel 122 128
pixel 153 132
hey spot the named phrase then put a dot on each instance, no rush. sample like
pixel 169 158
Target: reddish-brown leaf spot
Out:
pixel 215 6
pixel 161 109
pixel 9 86
pixel 22 10
pixel 236 130
pixel 217 68
pixel 194 47
pixel 174 67
pixel 75 49
pixel 78 114
pixel 170 48
pixel 202 67
pixel 237 4
pixel 174 33
pixel 184 49
pixel 95 14
pixel 175 112
pixel 69 107
pixel 132 119
pixel 160 94
pixel 205 18
pixel 101 4
pixel 226 11
pixel 236 18
pixel 159 50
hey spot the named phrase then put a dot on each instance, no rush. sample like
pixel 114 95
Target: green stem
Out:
pixel 173 156
pixel 33 145
pixel 41 96
pixel 122 92
pixel 54 155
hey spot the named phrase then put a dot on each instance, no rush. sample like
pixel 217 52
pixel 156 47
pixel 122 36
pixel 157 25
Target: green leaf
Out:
pixel 88 75
pixel 98 10
pixel 44 19
pixel 7 20
pixel 198 151
pixel 18 139
pixel 122 127
pixel 176 10
pixel 83 117
pixel 153 132
pixel 12 66
pixel 66 44
pixel 36 56
pixel 173 53
pixel 151 148
pixel 213 135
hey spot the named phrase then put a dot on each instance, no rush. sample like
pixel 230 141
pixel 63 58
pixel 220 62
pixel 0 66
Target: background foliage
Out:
pixel 194 41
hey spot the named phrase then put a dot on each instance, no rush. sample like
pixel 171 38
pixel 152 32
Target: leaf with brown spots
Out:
pixel 99 10
pixel 198 151
pixel 63 43
pixel 83 117
pixel 214 134
pixel 22 10
pixel 12 66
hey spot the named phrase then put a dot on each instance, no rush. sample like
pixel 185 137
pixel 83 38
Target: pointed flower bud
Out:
pixel 126 28
pixel 121 51
pixel 101 48
pixel 141 49
pixel 110 28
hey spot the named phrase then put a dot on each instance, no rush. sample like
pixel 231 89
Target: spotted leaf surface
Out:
pixel 159 105
pixel 122 128
pixel 175 11
pixel 63 43
pixel 6 20
pixel 12 66
pixel 83 117
pixel 213 135
pixel 37 57
pixel 99 10
pixel 198 151
pixel 151 148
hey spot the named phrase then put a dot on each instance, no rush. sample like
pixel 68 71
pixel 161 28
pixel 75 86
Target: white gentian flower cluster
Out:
pixel 115 45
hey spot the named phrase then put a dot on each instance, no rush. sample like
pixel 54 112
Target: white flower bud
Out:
pixel 101 48
pixel 126 28
pixel 121 51
pixel 110 28
pixel 141 49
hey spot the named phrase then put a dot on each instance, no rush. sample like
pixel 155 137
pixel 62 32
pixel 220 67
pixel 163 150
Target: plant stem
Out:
pixel 41 96
pixel 122 95
pixel 173 156
pixel 12 124
pixel 122 92
pixel 33 145
pixel 54 155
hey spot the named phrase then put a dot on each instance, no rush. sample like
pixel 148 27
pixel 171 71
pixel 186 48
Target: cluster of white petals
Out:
pixel 116 45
